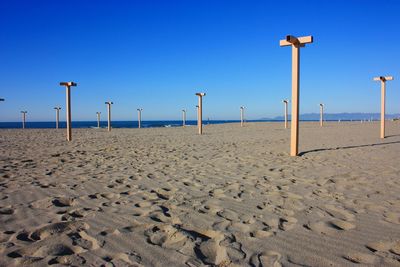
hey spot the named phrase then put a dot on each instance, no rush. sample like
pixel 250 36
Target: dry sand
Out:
pixel 232 197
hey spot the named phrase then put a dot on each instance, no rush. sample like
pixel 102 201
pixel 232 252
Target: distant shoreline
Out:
pixel 134 124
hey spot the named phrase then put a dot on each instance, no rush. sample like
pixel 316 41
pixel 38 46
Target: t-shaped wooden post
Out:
pixel 109 103
pixel 200 112
pixel 139 110
pixel 296 43
pixel 68 107
pixel 98 119
pixel 383 80
pixel 57 115
pixel 23 118
pixel 321 114
pixel 241 116
pixel 285 101
pixel 183 117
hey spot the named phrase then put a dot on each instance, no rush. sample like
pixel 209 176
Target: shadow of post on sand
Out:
pixel 348 147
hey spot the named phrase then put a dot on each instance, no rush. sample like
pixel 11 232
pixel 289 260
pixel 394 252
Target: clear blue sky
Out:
pixel 158 54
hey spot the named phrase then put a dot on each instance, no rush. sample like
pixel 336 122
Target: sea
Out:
pixel 115 124
pixel 126 124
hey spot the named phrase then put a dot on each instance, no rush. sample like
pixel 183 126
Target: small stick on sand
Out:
pixel 296 43
pixel 383 80
pixel 68 107
pixel 200 112
pixel 109 103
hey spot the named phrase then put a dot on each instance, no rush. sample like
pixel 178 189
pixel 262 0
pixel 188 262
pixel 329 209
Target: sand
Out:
pixel 232 197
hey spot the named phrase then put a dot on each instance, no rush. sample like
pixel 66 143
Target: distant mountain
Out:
pixel 339 116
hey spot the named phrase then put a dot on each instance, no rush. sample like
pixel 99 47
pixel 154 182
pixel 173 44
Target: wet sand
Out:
pixel 232 197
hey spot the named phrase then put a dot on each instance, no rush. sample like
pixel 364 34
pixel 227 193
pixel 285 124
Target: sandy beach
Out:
pixel 231 197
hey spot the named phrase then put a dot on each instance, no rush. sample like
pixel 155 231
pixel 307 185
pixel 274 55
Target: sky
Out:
pixel 156 55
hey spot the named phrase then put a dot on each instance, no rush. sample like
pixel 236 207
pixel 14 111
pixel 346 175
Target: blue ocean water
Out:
pixel 123 124
pixel 115 124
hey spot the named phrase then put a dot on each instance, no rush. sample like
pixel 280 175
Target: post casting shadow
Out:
pixel 346 147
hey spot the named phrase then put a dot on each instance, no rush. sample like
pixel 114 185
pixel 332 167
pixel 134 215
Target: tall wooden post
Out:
pixel 98 119
pixel 183 117
pixel 68 107
pixel 241 116
pixel 57 116
pixel 286 112
pixel 200 112
pixel 383 80
pixel 109 103
pixel 321 114
pixel 23 118
pixel 139 117
pixel 296 43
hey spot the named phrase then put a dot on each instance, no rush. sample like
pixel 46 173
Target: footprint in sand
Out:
pixel 120 259
pixel 228 214
pixel 164 193
pixel 392 217
pixel 239 227
pixel 330 227
pixel 213 253
pixel 266 259
pixel 395 249
pixel 339 213
pixel 52 229
pixel 287 223
pixel 379 246
pixel 64 201
pixel 70 260
pixel 6 210
pixel 385 246
pixel 110 196
pixel 42 250
pixel 234 250
pixel 210 209
pixel 84 240
pixel 5 236
pixel 166 236
pixel 163 215
pixel 358 257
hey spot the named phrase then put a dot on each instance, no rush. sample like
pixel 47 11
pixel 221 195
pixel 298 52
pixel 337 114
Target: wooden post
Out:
pixel 321 114
pixel 109 103
pixel 296 43
pixel 286 112
pixel 139 117
pixel 57 116
pixel 241 116
pixel 98 119
pixel 68 107
pixel 200 113
pixel 23 118
pixel 183 117
pixel 383 80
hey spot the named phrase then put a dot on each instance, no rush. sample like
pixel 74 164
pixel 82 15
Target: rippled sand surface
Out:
pixel 232 197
